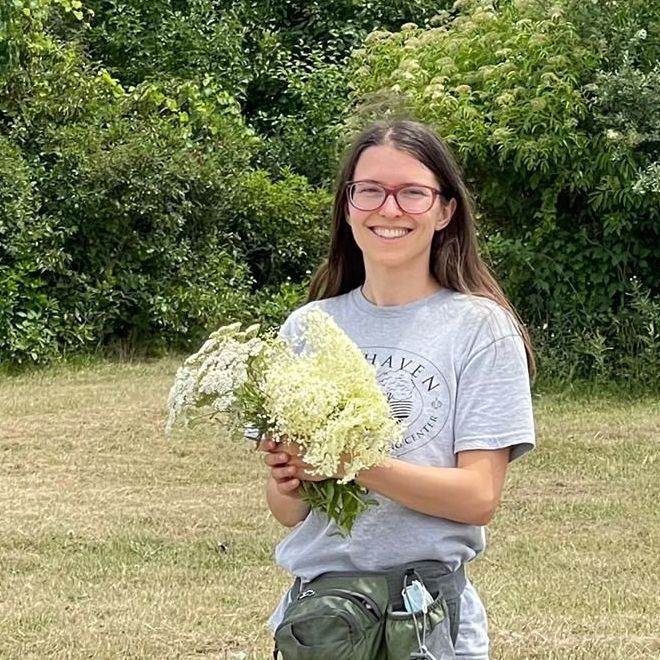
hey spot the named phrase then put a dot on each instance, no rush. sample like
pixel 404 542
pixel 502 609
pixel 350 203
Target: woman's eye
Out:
pixel 414 192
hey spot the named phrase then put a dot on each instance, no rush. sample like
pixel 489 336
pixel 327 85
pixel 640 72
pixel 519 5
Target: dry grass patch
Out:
pixel 118 542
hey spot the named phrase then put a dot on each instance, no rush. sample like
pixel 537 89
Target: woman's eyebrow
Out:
pixel 398 185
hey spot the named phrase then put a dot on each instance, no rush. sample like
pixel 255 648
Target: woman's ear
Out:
pixel 446 214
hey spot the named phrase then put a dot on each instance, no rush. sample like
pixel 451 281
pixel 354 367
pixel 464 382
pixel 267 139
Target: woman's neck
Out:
pixel 396 288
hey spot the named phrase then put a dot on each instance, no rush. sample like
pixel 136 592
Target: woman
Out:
pixel 405 281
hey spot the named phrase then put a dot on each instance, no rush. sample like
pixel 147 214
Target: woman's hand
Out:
pixel 283 487
pixel 282 472
pixel 303 471
pixel 287 467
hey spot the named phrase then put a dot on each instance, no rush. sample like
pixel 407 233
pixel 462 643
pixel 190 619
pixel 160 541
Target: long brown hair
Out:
pixel 454 260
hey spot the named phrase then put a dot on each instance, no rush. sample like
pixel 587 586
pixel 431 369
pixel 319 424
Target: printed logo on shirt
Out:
pixel 417 393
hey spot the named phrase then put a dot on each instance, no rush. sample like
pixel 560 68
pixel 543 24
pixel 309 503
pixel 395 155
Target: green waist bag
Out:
pixel 360 616
pixel 335 618
pixel 422 635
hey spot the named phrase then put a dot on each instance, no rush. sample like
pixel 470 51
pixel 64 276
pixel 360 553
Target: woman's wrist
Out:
pixel 370 477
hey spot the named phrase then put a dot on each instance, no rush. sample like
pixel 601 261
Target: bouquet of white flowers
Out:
pixel 325 398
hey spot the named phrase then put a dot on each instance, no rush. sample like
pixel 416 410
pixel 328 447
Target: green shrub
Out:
pixel 114 208
pixel 129 244
pixel 31 324
pixel 621 347
pixel 151 40
pixel 307 139
pixel 272 305
pixel 132 218
pixel 132 215
pixel 298 94
pixel 566 224
pixel 282 225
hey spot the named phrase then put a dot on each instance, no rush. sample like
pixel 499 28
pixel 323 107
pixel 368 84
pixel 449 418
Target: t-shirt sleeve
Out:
pixel 288 330
pixel 292 330
pixel 493 399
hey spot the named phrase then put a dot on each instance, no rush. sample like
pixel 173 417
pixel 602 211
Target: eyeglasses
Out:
pixel 411 198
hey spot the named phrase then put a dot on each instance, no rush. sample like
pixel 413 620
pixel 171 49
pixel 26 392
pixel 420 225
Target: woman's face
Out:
pixel 389 236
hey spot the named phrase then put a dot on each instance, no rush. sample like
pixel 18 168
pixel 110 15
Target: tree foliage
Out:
pixel 118 206
pixel 165 164
pixel 560 150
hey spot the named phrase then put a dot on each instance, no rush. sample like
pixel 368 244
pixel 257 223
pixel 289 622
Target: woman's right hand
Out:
pixel 283 489
pixel 282 469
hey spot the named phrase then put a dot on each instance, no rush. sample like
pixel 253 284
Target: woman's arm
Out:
pixel 282 487
pixel 468 493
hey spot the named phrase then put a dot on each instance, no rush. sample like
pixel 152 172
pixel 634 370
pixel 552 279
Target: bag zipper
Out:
pixel 367 603
pixel 339 614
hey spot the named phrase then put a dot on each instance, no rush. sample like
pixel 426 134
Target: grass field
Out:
pixel 116 542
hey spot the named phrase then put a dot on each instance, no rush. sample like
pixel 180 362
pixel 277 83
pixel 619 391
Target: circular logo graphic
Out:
pixel 417 392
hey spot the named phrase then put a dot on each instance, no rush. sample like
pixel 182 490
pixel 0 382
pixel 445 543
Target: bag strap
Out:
pixel 434 575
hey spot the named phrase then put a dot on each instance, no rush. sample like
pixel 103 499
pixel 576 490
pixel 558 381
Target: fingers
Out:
pixel 274 459
pixel 269 445
pixel 287 486
pixel 287 468
pixel 284 472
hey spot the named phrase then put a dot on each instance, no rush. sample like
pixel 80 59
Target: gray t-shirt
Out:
pixel 454 370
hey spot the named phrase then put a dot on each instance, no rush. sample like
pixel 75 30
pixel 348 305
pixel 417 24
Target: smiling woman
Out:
pixel 394 210
pixel 405 281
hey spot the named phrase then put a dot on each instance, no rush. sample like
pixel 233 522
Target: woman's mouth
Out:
pixel 390 232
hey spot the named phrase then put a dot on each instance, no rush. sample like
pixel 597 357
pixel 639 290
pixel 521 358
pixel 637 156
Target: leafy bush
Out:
pixel 282 226
pixel 149 40
pixel 128 244
pixel 131 212
pixel 307 139
pixel 119 210
pixel 567 227
pixel 297 95
pixel 30 322
pixel 621 347
pixel 274 304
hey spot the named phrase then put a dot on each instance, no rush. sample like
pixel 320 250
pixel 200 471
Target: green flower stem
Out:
pixel 342 503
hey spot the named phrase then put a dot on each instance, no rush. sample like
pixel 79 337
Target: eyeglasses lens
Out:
pixel 371 196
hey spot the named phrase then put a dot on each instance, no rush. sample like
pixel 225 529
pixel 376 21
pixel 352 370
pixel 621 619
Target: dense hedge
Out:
pixel 166 165
pixel 563 159
pixel 132 216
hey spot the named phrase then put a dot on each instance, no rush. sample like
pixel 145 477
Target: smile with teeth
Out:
pixel 390 232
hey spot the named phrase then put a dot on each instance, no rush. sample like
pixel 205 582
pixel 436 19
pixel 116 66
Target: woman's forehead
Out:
pixel 392 166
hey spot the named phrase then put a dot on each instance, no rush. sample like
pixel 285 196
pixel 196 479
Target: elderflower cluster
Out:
pixel 214 375
pixel 325 398
pixel 328 400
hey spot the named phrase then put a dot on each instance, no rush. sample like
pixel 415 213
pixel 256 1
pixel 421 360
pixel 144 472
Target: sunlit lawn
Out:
pixel 116 542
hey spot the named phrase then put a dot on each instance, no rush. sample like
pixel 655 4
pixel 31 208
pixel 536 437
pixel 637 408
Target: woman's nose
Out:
pixel 390 207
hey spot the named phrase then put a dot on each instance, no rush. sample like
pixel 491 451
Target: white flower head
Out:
pixel 328 400
pixel 214 376
pixel 325 397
